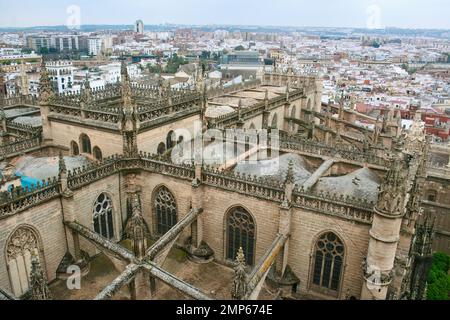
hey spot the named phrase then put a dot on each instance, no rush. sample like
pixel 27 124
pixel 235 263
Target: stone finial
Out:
pixel 38 283
pixel 288 86
pixel 391 199
pixel 239 108
pixel 86 91
pixel 136 228
pixel 290 173
pixel 62 164
pixel 240 277
pixel 45 86
pixel 23 79
pixel 2 113
pixel 126 88
pixel 266 95
pixel 415 138
pixel 289 184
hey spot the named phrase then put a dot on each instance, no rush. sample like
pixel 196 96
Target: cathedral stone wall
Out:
pixel 109 142
pixel 46 220
pixel 218 203
pixel 256 121
pixel 437 202
pixel 180 189
pixel 148 141
pixel 85 198
pixel 307 227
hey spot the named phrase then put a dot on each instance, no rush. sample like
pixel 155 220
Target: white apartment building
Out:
pixel 61 74
pixel 110 73
pixel 94 46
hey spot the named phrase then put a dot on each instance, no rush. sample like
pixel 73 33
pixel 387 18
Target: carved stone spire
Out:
pixel 136 229
pixel 289 184
pixel 199 78
pixel 127 99
pixel 130 123
pixel 2 84
pixel 23 80
pixel 288 85
pixel 341 106
pixel 2 112
pixel 391 199
pixel 62 163
pixel 240 277
pixel 62 176
pixel 45 86
pixel 239 108
pixel 415 137
pixel 86 95
pixel 290 173
pixel 38 282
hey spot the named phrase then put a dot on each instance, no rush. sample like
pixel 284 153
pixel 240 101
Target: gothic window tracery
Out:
pixel 74 148
pixel 161 148
pixel 328 262
pixel 98 153
pixel 165 210
pixel 103 216
pixel 22 243
pixel 85 144
pixel 240 233
pixel 171 140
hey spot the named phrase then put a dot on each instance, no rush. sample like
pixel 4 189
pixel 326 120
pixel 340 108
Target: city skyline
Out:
pixel 415 14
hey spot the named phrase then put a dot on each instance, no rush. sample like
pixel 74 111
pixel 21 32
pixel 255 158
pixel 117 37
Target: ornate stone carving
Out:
pixel 45 86
pixel 38 282
pixel 391 199
pixel 136 229
pixel 22 240
pixel 240 277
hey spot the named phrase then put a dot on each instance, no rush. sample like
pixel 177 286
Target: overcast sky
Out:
pixel 321 13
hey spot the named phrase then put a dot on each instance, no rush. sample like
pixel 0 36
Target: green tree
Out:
pixel 239 48
pixel 438 278
pixel 206 55
pixel 174 63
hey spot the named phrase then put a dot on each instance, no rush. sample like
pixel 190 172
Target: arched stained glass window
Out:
pixel 103 216
pixel 240 233
pixel 328 262
pixel 165 210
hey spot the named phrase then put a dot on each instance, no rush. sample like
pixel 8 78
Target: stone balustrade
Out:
pixel 230 119
pixel 261 187
pixel 319 149
pixel 335 204
pixel 22 130
pixel 220 91
pixel 438 170
pixel 18 100
pixel 20 199
pixel 20 146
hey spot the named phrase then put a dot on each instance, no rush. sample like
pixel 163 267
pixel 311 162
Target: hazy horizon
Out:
pixel 411 14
